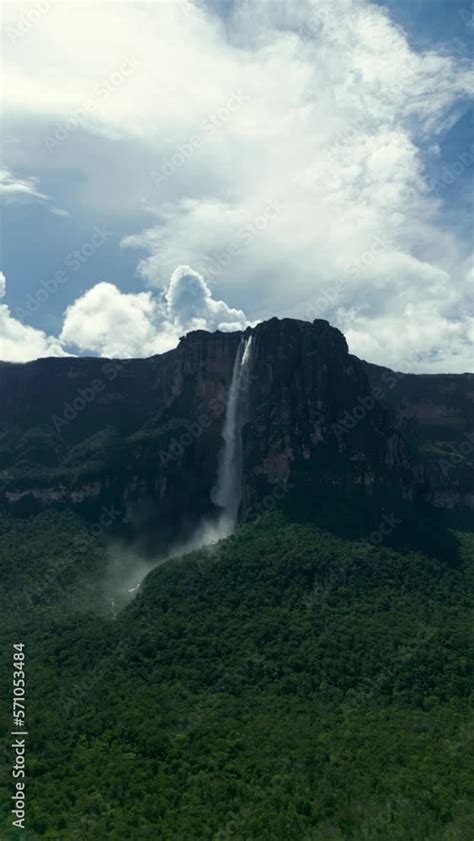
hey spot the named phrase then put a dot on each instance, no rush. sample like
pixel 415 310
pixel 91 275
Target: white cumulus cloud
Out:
pixel 283 154
pixel 190 305
pixel 109 322
pixel 19 342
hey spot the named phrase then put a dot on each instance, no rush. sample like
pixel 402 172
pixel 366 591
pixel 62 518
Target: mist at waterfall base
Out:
pixel 126 568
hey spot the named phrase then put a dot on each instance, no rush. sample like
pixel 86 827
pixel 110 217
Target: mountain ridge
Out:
pixel 144 435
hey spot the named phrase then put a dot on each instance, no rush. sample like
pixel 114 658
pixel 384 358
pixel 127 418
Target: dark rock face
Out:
pixel 435 415
pixel 311 405
pixel 139 435
pixel 142 437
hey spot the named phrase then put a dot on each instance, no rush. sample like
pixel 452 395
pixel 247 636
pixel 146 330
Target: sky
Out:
pixel 169 166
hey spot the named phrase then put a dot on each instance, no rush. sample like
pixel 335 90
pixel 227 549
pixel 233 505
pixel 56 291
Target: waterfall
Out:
pixel 226 494
pixel 228 490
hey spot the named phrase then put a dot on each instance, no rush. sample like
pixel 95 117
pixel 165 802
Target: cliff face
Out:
pixel 312 411
pixel 141 438
pixel 435 415
pixel 136 437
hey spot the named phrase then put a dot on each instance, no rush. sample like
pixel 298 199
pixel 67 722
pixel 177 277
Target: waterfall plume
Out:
pixel 228 489
pixel 127 570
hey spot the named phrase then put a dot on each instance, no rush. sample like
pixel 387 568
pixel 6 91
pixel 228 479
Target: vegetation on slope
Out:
pixel 289 684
